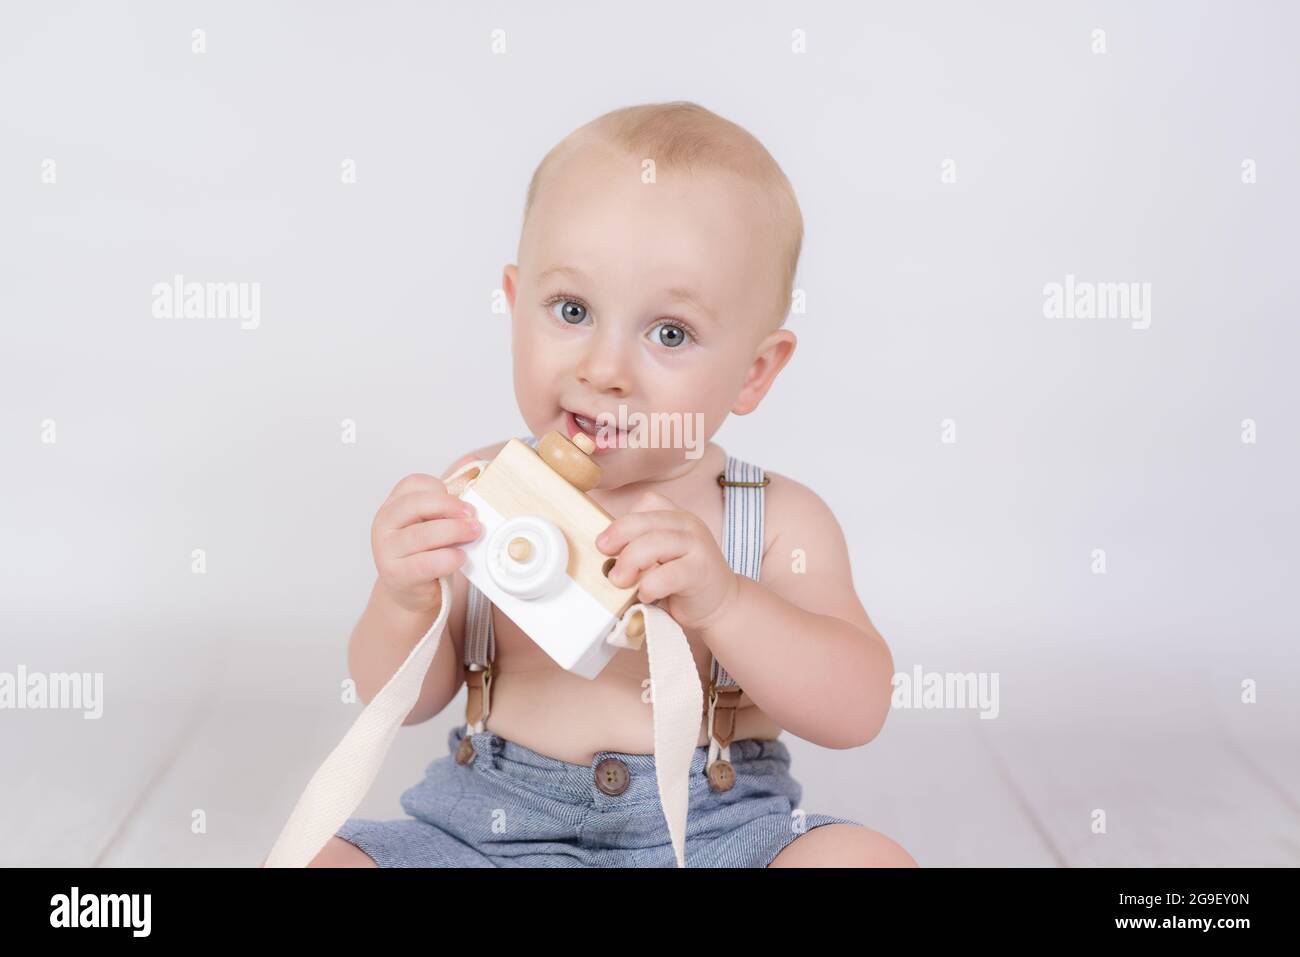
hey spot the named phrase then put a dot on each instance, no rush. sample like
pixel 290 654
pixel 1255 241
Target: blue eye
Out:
pixel 571 312
pixel 670 334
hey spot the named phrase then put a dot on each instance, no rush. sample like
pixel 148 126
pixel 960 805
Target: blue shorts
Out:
pixel 514 807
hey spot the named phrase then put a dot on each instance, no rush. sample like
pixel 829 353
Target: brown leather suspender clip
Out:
pixel 477 683
pixel 723 702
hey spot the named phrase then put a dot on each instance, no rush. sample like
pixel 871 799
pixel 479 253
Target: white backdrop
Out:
pixel 924 303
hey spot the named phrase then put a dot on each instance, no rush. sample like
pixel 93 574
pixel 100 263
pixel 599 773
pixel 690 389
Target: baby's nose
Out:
pixel 606 367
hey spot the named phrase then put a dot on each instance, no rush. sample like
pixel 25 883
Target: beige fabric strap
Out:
pixel 677 701
pixel 341 782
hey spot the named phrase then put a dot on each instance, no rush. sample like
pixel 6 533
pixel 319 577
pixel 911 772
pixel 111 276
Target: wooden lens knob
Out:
pixel 571 461
pixel 520 549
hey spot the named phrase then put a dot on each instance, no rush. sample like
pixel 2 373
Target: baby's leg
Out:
pixel 842 845
pixel 340 853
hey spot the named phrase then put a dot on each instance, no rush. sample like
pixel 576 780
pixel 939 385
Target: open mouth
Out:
pixel 606 438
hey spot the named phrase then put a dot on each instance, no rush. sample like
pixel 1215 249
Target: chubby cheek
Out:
pixel 703 395
pixel 532 392
pixel 536 381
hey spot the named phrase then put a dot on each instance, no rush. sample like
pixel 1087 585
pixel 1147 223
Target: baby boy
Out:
pixel 655 272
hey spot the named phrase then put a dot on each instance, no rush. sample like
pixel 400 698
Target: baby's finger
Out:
pixel 659 546
pixel 424 567
pixel 634 524
pixel 662 581
pixel 437 533
pixel 421 507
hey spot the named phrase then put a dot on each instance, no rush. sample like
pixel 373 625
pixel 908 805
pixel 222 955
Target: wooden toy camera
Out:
pixel 537 558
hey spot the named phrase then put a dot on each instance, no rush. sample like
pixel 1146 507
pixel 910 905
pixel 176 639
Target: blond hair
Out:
pixel 681 135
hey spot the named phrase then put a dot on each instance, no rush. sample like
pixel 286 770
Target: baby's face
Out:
pixel 653 297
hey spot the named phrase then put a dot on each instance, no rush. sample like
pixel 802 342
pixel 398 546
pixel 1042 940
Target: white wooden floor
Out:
pixel 1185 774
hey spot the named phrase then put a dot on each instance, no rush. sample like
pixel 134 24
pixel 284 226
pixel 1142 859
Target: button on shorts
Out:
pixel 514 807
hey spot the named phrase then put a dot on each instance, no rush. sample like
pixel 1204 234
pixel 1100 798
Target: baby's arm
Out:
pixel 800 643
pixel 414 539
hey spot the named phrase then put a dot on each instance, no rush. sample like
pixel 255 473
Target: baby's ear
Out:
pixel 769 359
pixel 510 283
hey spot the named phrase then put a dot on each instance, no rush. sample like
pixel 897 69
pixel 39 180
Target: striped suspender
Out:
pixel 480 652
pixel 742 538
pixel 742 529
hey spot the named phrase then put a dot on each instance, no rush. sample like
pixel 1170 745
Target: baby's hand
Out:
pixel 691 571
pixel 413 539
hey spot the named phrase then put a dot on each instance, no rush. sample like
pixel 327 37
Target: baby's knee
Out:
pixel 876 850
pixel 340 853
pixel 843 845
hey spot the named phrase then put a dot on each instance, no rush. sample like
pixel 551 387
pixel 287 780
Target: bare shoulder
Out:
pixel 807 557
pixel 792 511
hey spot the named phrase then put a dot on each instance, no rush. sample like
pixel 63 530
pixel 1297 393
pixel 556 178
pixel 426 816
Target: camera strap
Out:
pixel 347 774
